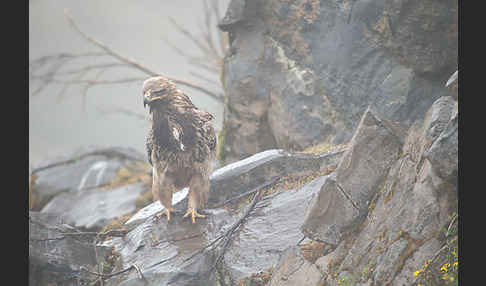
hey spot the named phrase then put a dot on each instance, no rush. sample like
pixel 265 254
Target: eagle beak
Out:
pixel 146 98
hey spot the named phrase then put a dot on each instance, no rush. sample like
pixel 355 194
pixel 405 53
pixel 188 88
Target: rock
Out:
pixel 84 169
pixel 403 226
pixel 243 176
pixel 302 72
pixel 55 258
pixel 343 201
pixel 270 230
pixel 239 177
pixel 443 153
pixel 160 248
pixel 93 209
pixel 293 269
pixel 234 15
pixel 453 85
pixel 154 208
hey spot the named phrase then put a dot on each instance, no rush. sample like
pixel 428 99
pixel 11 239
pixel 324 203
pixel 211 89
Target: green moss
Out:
pixel 143 200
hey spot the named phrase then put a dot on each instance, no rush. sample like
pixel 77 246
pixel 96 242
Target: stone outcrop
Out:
pixel 56 258
pixel 344 200
pixel 91 186
pixel 410 202
pixel 84 169
pixel 302 72
pixel 93 209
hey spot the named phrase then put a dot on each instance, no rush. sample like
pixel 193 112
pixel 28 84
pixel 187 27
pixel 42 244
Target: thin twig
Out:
pixel 103 275
pixel 228 234
pixel 450 225
pixel 113 232
pixel 234 227
pixel 254 190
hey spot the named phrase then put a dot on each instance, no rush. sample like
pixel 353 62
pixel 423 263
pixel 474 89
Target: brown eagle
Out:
pixel 180 144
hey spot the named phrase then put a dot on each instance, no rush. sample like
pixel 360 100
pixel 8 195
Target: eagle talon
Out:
pixel 166 212
pixel 194 214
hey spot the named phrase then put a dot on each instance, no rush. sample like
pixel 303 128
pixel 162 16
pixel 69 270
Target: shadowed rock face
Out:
pixel 302 72
pixel 343 201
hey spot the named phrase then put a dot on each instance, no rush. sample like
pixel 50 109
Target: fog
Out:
pixel 136 29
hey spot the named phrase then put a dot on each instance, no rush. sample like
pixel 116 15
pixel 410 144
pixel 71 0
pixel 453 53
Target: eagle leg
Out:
pixel 166 211
pixel 194 214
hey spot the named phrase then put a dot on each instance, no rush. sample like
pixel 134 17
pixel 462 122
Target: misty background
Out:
pixel 62 123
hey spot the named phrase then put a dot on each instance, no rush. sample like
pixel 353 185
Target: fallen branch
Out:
pixel 227 236
pixel 113 232
pixel 234 227
pixel 104 276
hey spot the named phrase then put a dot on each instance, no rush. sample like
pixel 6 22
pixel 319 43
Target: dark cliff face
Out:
pixel 302 72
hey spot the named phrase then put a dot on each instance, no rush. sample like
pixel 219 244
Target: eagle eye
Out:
pixel 159 92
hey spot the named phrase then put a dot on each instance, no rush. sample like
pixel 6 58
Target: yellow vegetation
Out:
pixel 313 250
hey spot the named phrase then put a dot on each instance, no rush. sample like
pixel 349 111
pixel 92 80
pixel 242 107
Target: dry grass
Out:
pixel 292 181
pixel 313 250
pixel 117 223
pixel 324 147
pixel 133 173
pixel 260 278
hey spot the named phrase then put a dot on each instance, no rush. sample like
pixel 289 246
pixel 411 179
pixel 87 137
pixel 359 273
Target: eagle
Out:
pixel 180 144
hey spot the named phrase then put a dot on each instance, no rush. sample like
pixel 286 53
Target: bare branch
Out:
pixel 91 82
pixel 208 80
pixel 82 76
pixel 194 39
pixel 133 266
pixel 124 111
pixel 93 67
pixel 207 31
pixel 212 51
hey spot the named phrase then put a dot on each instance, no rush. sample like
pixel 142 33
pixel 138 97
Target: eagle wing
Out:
pixel 148 146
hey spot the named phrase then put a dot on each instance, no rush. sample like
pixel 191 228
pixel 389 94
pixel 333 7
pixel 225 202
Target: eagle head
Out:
pixel 156 89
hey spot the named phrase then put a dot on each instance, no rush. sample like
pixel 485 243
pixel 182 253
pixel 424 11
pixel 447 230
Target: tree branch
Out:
pixel 135 64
